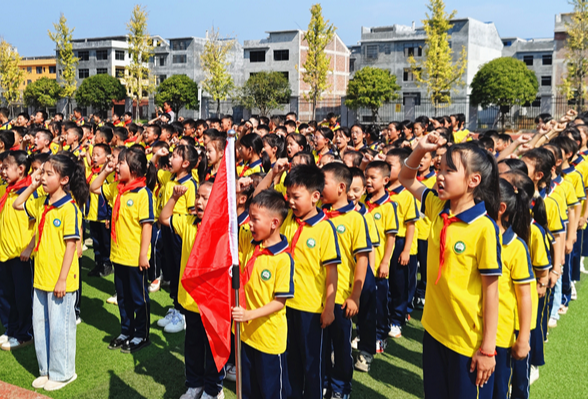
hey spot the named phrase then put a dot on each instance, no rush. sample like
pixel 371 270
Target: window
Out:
pixel 408 76
pixel 416 96
pixel 371 52
pixel 281 55
pixel 39 70
pixel 528 60
pixel 101 71
pixel 546 81
pixel 160 60
pixel 413 50
pixel 29 81
pixel 120 72
pixel 179 59
pixel 119 55
pixel 257 56
pixel 547 59
pixel 507 43
pixel 84 55
pixel 51 69
pixel 101 54
pixel 180 44
pixel 83 73
pixel 161 78
pixel 351 64
pixel 30 70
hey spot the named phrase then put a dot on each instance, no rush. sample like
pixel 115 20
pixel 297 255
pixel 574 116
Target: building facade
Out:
pixel 35 68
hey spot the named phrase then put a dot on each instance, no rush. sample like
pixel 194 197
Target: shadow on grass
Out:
pixel 163 366
pixel 400 378
pixel 27 358
pixel 118 389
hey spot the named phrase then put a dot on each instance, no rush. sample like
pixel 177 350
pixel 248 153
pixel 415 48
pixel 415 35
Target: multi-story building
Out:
pixel 35 68
pixel 286 52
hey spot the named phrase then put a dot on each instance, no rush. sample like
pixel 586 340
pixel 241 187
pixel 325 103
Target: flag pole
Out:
pixel 236 282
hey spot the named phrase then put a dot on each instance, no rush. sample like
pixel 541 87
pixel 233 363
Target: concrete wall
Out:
pixel 537 48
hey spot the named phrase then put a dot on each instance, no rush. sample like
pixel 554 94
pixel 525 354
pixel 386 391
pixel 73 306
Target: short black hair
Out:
pixel 357 157
pixel 340 172
pixel 402 153
pixel 357 173
pixel 310 177
pixel 272 201
pixel 381 166
pixel 106 132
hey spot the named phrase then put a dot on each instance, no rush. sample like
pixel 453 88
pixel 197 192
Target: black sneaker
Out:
pixel 95 272
pixel 106 271
pixel 131 347
pixel 117 343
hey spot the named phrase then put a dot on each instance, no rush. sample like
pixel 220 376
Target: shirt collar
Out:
pixel 578 160
pixel 381 200
pixel 397 190
pixel 362 209
pixel 317 218
pixel 568 170
pixel 429 175
pixel 254 164
pixel 470 215
pixel 65 199
pixel 276 248
pixel 184 179
pixel 243 217
pixel 196 221
pixel 343 210
pixel 508 236
pixel 558 180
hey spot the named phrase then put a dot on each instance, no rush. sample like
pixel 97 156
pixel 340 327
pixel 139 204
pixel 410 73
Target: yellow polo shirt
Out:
pixel 408 211
pixel 97 208
pixel 186 227
pixel 423 225
pixel 61 223
pixel 16 228
pixel 168 181
pixel 272 277
pixel 453 315
pixel 385 217
pixel 316 248
pixel 539 248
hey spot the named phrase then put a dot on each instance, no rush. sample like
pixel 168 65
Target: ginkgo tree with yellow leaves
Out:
pixel 11 76
pixel 438 71
pixel 218 82
pixel 66 60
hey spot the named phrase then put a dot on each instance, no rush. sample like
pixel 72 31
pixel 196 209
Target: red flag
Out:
pixel 207 275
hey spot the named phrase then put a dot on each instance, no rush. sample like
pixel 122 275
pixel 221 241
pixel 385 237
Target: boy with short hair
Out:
pixel 385 216
pixel 267 280
pixel 355 245
pixel 72 140
pixel 315 249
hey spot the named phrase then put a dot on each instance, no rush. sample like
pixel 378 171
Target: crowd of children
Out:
pixel 337 225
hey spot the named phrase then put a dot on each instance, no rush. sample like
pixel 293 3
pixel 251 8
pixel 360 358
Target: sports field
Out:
pixel 158 371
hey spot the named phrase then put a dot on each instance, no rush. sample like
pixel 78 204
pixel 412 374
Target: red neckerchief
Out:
pixel 301 224
pixel 246 274
pixel 18 185
pixel 446 222
pixel 42 223
pixel 122 189
pixel 94 171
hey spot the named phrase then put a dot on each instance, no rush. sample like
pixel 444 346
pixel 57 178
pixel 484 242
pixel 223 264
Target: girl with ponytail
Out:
pixel 57 276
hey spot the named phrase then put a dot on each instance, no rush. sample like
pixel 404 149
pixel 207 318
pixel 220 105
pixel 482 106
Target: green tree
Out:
pixel 44 92
pixel 138 80
pixel 316 67
pixel 504 82
pixel 66 60
pixel 179 91
pixel 266 91
pixel 99 91
pixel 11 76
pixel 218 81
pixel 438 71
pixel 371 88
pixel 576 55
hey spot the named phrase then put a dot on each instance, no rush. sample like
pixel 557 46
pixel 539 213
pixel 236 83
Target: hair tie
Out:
pixel 515 190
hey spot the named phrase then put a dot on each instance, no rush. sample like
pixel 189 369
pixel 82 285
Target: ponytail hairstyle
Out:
pixel 566 144
pixel 188 153
pixel 373 132
pixel 543 160
pixel 20 157
pixel 476 160
pixel 202 164
pixel 254 142
pixel 299 139
pixel 66 165
pixel 517 213
pixel 138 166
pixel 273 140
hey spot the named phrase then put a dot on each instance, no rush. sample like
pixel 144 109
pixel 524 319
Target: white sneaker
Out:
pixel 355 343
pixel 54 385
pixel 14 343
pixel 155 285
pixel 231 373
pixel 534 374
pixel 89 242
pixel 4 339
pixel 395 332
pixel 563 310
pixel 176 324
pixel 112 300
pixel 78 320
pixel 574 295
pixel 84 248
pixel 40 382
pixel 220 395
pixel 582 267
pixel 552 323
pixel 168 317
pixel 193 393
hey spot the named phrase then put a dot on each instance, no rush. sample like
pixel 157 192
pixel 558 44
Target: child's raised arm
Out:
pixel 168 209
pixel 107 170
pixel 279 168
pixel 408 173
pixel 36 182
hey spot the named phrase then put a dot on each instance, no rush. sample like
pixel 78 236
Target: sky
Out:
pixel 25 23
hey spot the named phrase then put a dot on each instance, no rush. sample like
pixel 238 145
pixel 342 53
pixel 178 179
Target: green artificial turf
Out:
pixel 158 371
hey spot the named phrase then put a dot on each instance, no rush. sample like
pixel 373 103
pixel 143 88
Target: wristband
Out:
pixel 555 272
pixel 488 354
pixel 409 167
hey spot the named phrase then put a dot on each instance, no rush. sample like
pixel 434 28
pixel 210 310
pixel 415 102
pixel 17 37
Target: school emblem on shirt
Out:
pixel 378 216
pixel 341 229
pixel 459 247
pixel 311 243
pixel 130 202
pixel 56 223
pixel 266 275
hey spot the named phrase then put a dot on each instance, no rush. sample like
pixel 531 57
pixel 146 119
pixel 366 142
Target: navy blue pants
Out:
pixel 366 316
pixel 549 305
pixel 337 339
pixel 132 292
pixel 446 374
pixel 521 378
pixel 101 242
pixel 154 271
pixel 566 281
pixel 584 244
pixel 412 282
pixel 539 333
pixel 423 248
pixel 399 285
pixel 172 259
pixel 305 354
pixel 382 317
pixel 265 376
pixel 577 256
pixel 16 298
pixel 200 367
pixel 502 373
